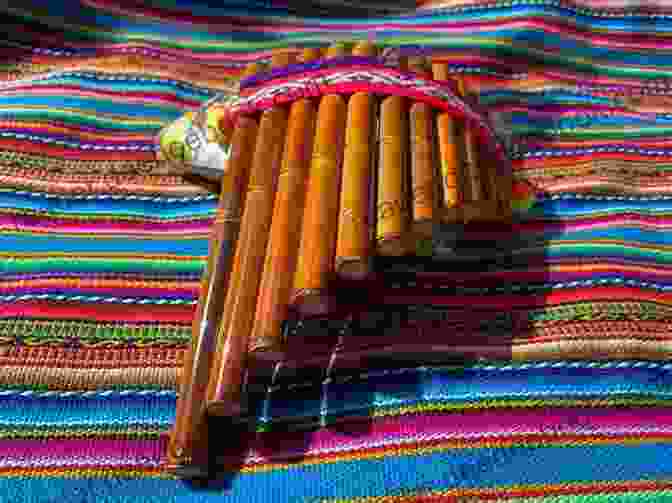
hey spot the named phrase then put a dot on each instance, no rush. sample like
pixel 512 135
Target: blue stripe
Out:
pixel 468 468
pixel 578 206
pixel 60 412
pixel 104 106
pixel 160 209
pixel 99 244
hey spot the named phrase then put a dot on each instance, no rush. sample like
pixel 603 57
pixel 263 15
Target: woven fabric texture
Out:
pixel 102 247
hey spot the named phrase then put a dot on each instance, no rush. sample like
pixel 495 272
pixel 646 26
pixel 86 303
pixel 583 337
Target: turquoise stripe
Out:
pixel 80 265
pixel 19 243
pixel 161 208
pixel 121 83
pixel 61 412
pixel 470 384
pixel 582 380
pixel 634 235
pixel 105 106
pixel 392 475
pixel 574 207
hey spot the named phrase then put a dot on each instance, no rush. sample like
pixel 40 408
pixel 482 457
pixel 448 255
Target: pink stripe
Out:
pixel 19 453
pixel 125 96
pixel 422 429
pixel 195 228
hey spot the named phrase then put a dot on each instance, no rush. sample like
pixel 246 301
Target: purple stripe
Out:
pixel 167 292
pixel 20 453
pixel 498 424
pixel 103 225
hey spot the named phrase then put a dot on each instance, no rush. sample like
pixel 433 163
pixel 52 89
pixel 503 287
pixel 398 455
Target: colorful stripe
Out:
pixel 102 246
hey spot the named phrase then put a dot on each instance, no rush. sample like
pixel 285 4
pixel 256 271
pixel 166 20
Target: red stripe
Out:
pixel 99 312
pixel 73 153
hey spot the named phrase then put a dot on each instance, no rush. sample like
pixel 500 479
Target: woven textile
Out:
pixel 102 247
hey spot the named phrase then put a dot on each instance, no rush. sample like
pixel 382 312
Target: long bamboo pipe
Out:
pixel 282 249
pixel 238 311
pixel 354 246
pixel 317 246
pixel 213 287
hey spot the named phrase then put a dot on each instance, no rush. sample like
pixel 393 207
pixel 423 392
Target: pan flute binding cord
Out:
pixel 223 392
pixel 354 243
pixel 449 155
pixel 283 241
pixel 423 180
pixel 392 219
pixel 196 367
pixel 320 219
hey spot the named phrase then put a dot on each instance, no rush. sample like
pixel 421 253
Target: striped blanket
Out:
pixel 102 246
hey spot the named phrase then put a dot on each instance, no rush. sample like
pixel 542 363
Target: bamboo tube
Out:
pixel 239 305
pixel 213 286
pixel 449 155
pixel 320 218
pixel 480 194
pixel 353 243
pixel 283 241
pixel 424 202
pixel 475 185
pixel 393 202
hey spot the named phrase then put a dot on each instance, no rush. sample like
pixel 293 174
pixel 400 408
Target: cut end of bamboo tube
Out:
pixel 393 246
pixel 226 407
pixel 313 303
pixel 422 229
pixel 265 348
pixel 353 268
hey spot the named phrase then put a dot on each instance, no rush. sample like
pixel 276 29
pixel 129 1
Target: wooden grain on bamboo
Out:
pixel 240 303
pixel 449 156
pixel 214 284
pixel 393 201
pixel 239 306
pixel 282 249
pixel 354 246
pixel 480 198
pixel 317 246
pixel 423 156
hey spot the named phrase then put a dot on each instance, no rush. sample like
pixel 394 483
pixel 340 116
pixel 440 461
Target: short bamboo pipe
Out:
pixel 283 242
pixel 317 245
pixel 449 156
pixel 424 179
pixel 223 392
pixel 481 200
pixel 214 283
pixel 354 246
pixel 393 201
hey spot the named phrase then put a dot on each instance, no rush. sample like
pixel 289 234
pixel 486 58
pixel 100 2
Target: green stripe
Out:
pixel 23 265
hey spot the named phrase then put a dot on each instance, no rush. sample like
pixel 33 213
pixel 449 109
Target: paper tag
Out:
pixel 199 140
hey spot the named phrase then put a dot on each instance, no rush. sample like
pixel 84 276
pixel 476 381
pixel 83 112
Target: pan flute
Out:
pixel 361 160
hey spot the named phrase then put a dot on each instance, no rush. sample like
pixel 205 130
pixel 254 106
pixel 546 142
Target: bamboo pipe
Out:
pixel 392 219
pixel 320 219
pixel 283 241
pixel 239 306
pixel 353 243
pixel 449 156
pixel 213 286
pixel 481 189
pixel 423 157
